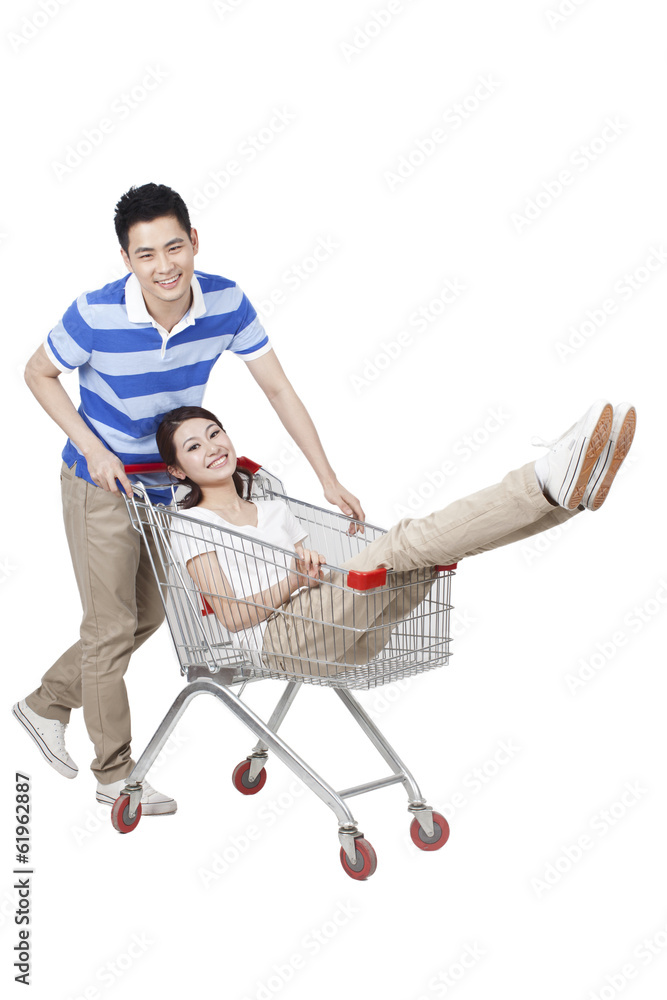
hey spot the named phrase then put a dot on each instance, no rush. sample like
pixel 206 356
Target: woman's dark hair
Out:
pixel 145 203
pixel 165 442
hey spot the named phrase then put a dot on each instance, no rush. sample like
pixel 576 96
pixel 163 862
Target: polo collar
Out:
pixel 138 313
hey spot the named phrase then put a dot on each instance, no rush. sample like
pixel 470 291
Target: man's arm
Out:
pixel 269 375
pixel 43 379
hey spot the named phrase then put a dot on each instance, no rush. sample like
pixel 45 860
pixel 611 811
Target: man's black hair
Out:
pixel 145 203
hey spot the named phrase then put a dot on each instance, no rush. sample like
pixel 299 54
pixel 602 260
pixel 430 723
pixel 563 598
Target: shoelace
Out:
pixel 539 442
pixel 58 734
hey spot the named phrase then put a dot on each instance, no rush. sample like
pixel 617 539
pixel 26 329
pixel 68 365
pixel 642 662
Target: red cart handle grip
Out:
pixel 359 579
pixel 145 467
pixel 245 463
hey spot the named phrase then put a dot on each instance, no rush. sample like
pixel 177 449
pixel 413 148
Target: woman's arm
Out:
pixel 237 614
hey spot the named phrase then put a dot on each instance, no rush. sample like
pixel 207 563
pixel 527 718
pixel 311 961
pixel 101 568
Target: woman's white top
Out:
pixel 247 559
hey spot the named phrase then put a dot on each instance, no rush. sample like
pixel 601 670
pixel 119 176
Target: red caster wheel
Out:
pixel 119 815
pixel 439 838
pixel 366 862
pixel 242 782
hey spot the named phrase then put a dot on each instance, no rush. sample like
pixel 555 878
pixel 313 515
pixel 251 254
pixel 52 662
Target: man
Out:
pixel 142 345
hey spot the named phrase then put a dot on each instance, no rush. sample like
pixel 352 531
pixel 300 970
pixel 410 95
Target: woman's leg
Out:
pixel 333 620
pixel 331 624
pixel 511 510
pixel 335 624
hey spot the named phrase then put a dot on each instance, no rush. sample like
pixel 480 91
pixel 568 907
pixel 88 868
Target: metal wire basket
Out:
pixel 355 630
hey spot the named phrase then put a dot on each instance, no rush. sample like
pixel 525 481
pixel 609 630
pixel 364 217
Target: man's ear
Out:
pixel 126 259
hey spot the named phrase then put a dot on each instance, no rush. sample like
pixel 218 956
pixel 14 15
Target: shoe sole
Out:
pixel 58 765
pixel 155 809
pixel 621 448
pixel 594 444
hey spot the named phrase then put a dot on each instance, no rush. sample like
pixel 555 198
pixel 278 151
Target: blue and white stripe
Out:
pixel 130 376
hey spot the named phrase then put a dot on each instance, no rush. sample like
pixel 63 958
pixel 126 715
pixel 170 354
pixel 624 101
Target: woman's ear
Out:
pixel 174 471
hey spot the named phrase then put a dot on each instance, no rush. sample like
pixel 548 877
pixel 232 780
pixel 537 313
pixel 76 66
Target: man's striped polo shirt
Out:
pixel 132 372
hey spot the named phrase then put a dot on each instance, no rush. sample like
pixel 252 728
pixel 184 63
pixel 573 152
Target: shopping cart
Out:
pixel 392 626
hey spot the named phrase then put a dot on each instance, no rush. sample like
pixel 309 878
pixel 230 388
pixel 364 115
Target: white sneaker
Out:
pixel 152 803
pixel 611 459
pixel 49 736
pixel 565 470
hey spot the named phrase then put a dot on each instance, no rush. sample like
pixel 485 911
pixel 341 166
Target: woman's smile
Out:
pixel 201 447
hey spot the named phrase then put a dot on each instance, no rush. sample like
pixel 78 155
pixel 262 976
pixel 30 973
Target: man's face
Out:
pixel 162 255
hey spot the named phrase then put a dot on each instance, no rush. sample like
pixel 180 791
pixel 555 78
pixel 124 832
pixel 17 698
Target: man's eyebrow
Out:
pixel 176 239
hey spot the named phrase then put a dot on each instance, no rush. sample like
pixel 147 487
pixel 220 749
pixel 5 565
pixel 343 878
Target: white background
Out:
pixel 361 95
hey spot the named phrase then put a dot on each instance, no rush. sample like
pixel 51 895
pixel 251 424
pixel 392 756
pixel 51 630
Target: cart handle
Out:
pixel 245 463
pixel 359 579
pixel 356 579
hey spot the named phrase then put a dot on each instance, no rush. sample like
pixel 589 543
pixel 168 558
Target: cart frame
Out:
pixel 223 666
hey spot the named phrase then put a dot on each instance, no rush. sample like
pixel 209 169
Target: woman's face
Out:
pixel 204 453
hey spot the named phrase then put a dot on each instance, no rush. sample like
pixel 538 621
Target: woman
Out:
pixel 270 599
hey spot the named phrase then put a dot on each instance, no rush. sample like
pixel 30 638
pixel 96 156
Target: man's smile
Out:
pixel 169 282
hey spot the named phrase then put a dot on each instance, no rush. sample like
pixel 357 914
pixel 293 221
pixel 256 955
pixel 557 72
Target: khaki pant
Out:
pixel 508 512
pixel 121 609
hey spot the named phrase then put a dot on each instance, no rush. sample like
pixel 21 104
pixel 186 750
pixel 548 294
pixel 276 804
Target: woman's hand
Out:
pixel 305 567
